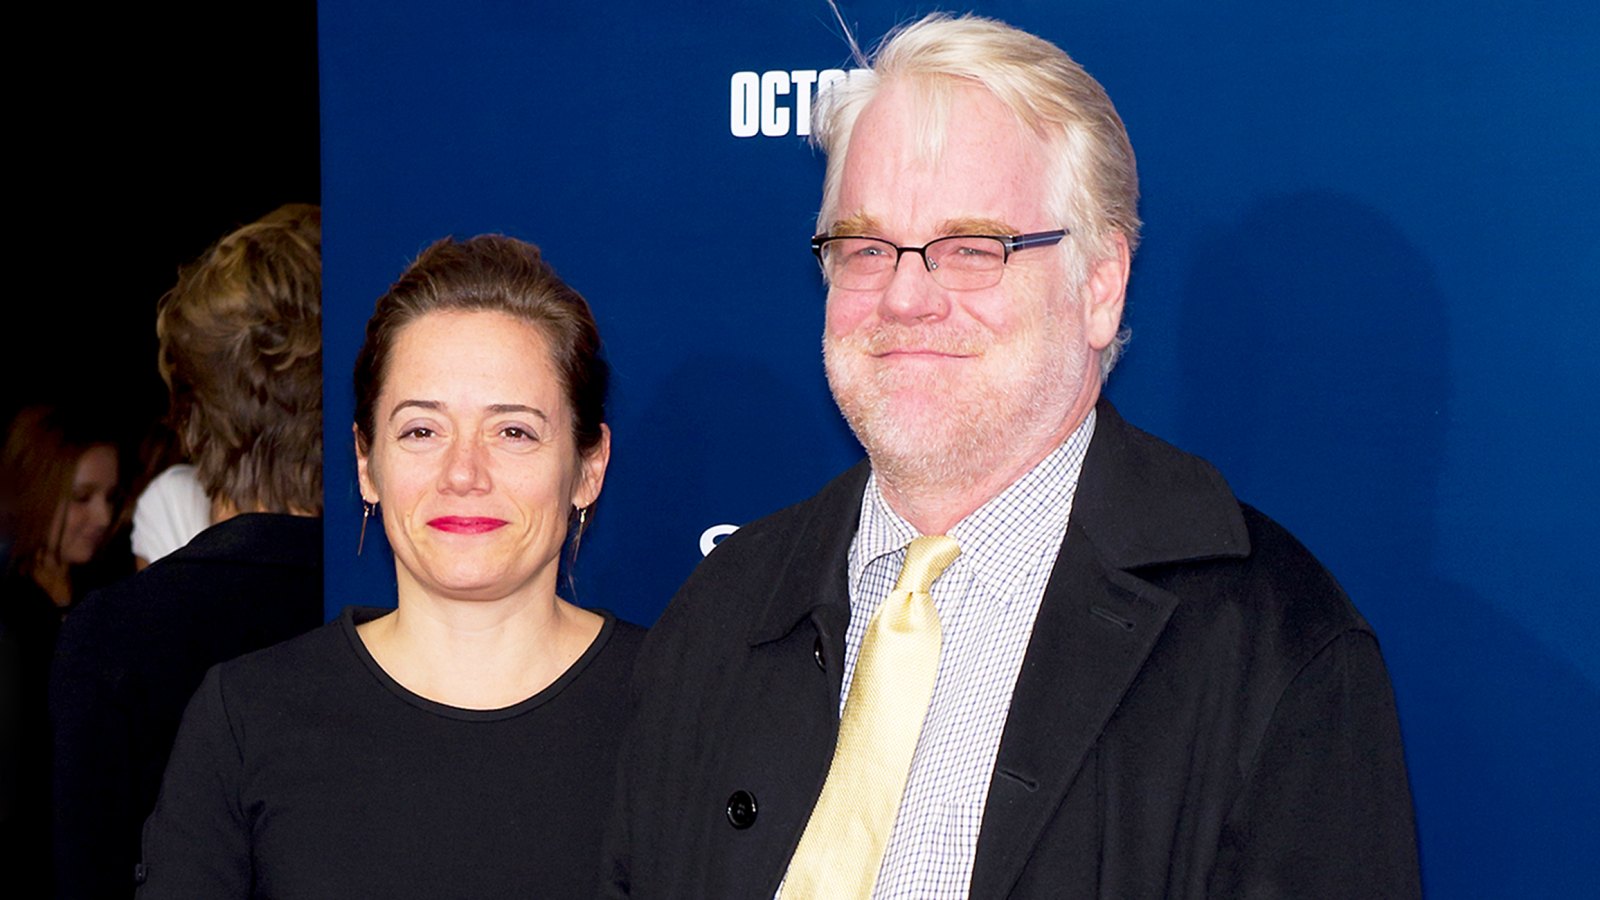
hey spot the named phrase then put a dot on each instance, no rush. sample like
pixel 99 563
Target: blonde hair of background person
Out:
pixel 241 352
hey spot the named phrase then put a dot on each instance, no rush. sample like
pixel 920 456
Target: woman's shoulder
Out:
pixel 299 665
pixel 602 673
pixel 617 645
pixel 625 636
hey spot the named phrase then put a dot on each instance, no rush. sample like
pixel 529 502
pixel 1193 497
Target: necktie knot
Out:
pixel 926 559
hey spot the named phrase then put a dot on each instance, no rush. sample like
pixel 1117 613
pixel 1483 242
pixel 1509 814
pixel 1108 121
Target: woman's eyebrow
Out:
pixel 431 405
pixel 495 408
pixel 501 408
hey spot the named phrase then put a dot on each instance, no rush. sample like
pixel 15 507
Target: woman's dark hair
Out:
pixel 490 273
pixel 241 352
pixel 37 466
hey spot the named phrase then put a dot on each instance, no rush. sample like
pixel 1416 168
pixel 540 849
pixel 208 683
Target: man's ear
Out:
pixel 1105 289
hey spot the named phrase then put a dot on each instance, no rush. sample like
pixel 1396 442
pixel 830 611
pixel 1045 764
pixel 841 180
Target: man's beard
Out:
pixel 952 429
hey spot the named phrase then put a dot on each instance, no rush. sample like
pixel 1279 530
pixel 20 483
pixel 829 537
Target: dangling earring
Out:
pixel 366 513
pixel 577 535
pixel 572 555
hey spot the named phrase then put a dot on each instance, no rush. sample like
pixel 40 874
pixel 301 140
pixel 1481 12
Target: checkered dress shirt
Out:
pixel 987 601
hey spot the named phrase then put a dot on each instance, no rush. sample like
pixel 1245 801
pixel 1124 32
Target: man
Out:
pixel 1139 687
pixel 240 340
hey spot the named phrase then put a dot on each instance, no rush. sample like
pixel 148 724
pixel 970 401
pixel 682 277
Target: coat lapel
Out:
pixel 813 581
pixel 1139 502
pixel 1094 631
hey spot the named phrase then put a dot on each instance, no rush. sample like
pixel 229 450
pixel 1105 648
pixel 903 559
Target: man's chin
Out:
pixel 929 443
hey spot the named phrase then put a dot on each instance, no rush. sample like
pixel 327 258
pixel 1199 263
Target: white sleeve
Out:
pixel 170 512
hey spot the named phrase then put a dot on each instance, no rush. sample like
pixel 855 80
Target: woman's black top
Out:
pixel 304 770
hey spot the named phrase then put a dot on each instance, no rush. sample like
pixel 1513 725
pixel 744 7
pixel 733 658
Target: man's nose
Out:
pixel 912 294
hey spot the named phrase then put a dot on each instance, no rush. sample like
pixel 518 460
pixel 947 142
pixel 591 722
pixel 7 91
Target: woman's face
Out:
pixel 84 517
pixel 472 459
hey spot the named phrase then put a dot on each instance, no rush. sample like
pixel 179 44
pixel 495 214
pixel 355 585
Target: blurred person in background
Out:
pixel 241 353
pixel 58 481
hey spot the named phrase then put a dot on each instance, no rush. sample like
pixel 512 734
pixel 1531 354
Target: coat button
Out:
pixel 816 651
pixel 742 809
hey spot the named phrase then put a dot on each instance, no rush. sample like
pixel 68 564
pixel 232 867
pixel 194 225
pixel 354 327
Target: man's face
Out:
pixel 955 384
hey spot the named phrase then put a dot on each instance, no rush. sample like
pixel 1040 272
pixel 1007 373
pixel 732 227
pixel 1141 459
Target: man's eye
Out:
pixel 518 433
pixel 418 432
pixel 977 251
pixel 857 250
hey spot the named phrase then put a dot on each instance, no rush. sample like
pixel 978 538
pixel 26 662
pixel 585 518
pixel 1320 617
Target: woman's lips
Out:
pixel 465 524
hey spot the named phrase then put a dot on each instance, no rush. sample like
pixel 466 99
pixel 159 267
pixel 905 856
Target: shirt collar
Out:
pixel 1025 520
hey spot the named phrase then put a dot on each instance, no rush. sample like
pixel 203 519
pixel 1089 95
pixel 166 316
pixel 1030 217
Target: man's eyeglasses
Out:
pixel 960 262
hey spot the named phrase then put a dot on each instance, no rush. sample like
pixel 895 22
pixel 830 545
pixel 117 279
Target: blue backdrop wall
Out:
pixel 1367 292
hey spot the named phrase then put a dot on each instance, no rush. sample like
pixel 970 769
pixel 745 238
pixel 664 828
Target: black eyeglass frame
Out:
pixel 1011 242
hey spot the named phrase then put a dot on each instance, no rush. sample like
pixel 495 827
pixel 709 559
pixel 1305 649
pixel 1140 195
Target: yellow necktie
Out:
pixel 843 844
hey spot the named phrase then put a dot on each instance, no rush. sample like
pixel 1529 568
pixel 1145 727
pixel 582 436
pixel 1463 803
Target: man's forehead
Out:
pixel 927 164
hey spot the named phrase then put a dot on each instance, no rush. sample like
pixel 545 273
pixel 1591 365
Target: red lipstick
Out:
pixel 466 524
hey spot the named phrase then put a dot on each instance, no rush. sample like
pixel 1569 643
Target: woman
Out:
pixel 240 349
pixel 59 488
pixel 461 745
pixel 61 485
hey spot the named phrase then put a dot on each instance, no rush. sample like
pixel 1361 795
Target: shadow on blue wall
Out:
pixel 1315 374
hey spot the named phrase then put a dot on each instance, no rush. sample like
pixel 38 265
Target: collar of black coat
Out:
pixel 262 538
pixel 1140 502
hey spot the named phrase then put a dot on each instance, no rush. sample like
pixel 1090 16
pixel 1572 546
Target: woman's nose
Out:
pixel 465 471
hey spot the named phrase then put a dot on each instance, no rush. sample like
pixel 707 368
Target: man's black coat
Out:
pixel 131 655
pixel 1201 712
